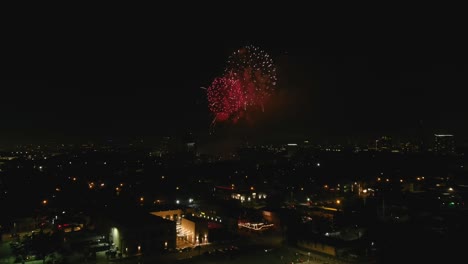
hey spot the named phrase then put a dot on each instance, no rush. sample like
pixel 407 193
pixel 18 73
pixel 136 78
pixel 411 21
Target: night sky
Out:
pixel 332 87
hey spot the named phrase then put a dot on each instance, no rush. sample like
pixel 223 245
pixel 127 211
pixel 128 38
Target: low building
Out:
pixel 195 230
pixel 138 232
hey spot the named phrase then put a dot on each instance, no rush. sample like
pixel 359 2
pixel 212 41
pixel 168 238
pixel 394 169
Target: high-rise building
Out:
pixel 444 144
pixel 420 137
pixel 190 143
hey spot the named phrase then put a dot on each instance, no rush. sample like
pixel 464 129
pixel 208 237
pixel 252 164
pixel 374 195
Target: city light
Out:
pixel 366 132
pixel 255 226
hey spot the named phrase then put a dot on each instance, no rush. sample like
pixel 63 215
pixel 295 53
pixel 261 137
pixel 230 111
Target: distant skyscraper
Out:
pixel 190 143
pixel 165 144
pixel 420 136
pixel 444 144
pixel 191 147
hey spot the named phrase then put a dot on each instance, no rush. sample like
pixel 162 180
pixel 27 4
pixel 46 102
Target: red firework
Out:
pixel 225 97
pixel 255 71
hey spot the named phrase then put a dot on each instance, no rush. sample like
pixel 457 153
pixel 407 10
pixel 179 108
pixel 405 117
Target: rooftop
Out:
pixel 134 218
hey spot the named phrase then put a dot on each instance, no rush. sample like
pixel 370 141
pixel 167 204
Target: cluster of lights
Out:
pixel 387 179
pixel 207 217
pixel 91 185
pixel 255 226
pixel 333 150
pixel 242 198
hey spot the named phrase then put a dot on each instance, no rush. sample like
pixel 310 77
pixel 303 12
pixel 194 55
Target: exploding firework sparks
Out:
pixel 249 80
pixel 255 71
pixel 225 97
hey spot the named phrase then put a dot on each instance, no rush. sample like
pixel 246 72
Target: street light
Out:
pixel 308 257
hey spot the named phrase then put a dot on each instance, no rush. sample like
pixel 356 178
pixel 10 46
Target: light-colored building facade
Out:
pixel 195 230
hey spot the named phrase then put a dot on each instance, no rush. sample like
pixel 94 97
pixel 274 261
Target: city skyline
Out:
pixel 160 139
pixel 326 91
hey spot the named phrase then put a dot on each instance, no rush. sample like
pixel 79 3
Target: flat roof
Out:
pixel 135 218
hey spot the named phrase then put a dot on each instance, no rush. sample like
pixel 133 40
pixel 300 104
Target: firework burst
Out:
pixel 225 97
pixel 256 73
